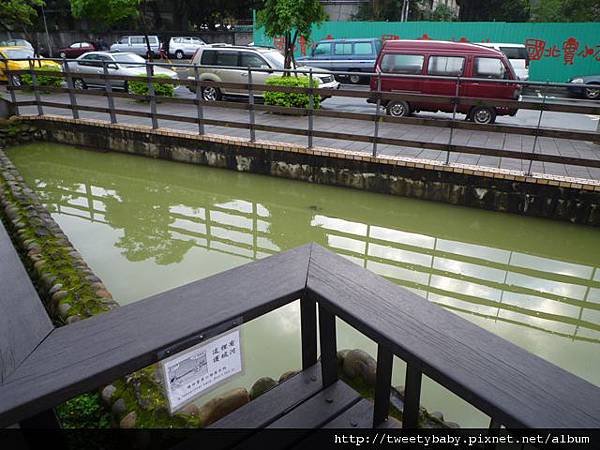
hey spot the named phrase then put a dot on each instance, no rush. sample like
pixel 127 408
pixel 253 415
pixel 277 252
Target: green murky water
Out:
pixel 146 226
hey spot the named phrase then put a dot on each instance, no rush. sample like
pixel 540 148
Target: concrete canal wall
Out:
pixel 547 196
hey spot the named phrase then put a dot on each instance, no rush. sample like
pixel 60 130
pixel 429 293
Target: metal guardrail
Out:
pixel 378 96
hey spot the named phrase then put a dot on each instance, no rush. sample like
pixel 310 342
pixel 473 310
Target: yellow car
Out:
pixel 8 55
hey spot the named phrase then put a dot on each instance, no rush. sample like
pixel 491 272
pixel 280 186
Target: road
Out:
pixel 493 140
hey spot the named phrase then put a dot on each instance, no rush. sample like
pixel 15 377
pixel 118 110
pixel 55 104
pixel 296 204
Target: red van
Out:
pixel 445 59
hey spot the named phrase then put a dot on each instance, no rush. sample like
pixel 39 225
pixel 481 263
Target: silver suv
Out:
pixel 235 61
pixel 137 45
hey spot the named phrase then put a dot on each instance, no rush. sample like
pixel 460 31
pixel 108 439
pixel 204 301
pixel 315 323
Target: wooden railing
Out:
pixel 48 366
pixel 310 132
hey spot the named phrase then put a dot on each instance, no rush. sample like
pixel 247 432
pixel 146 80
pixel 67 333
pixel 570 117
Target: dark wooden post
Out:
pixel 251 106
pixel 311 108
pixel 385 362
pixel 328 346
pixel 308 329
pixel 151 95
pixel 452 123
pixel 199 100
pixel 36 92
pixel 70 87
pixel 11 87
pixel 412 396
pixel 108 90
pixel 537 130
pixel 377 113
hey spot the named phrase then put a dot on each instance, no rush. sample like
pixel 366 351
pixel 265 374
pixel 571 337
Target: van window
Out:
pixel 411 64
pixel 489 68
pixel 227 58
pixel 124 40
pixel 515 52
pixel 363 48
pixel 449 66
pixel 137 40
pixel 343 49
pixel 324 48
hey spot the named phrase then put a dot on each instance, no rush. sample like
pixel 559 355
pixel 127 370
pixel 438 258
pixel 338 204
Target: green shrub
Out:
pixel 291 100
pixel 141 87
pixel 83 411
pixel 42 79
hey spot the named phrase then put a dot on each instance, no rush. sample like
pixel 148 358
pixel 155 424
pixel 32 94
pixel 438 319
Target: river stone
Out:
pixel 261 386
pixel 107 393
pixel 220 406
pixel 119 408
pixel 57 287
pixel 287 375
pixel 103 293
pixel 63 309
pixel 128 421
pixel 341 355
pixel 360 363
pixel 58 296
pixel 437 415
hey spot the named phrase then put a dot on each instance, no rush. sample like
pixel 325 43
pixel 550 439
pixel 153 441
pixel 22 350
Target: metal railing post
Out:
pixel 311 108
pixel 70 87
pixel 537 129
pixel 251 106
pixel 199 108
pixel 152 95
pixel 11 86
pixel 456 99
pixel 377 114
pixel 108 90
pixel 36 92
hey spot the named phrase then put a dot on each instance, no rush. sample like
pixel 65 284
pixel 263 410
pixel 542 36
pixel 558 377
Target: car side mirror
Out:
pixel 112 66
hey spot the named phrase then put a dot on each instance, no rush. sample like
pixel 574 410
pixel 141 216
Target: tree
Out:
pixel 290 19
pixel 111 12
pixel 391 10
pixel 567 11
pixel 18 13
pixel 494 10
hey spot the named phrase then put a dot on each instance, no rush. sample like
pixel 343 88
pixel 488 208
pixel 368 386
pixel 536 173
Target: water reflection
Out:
pixel 162 221
pixel 146 226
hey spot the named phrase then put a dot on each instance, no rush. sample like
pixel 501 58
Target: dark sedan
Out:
pixel 76 49
pixel 588 87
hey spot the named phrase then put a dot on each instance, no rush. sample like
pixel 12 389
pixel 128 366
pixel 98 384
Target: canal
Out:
pixel 146 226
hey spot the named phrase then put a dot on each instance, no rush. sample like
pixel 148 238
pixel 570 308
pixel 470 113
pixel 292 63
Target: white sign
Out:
pixel 191 372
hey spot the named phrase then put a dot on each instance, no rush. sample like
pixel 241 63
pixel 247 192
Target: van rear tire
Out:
pixel 398 108
pixel 483 115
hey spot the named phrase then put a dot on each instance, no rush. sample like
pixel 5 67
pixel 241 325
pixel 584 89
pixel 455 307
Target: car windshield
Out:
pixel 20 53
pixel 274 58
pixel 130 59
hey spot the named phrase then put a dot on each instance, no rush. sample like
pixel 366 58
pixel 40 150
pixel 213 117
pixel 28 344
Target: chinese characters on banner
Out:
pixel 193 371
pixel 568 50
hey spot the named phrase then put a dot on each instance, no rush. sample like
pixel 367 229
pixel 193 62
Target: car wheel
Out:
pixel 398 109
pixel 483 115
pixel 211 94
pixel 592 93
pixel 16 80
pixel 179 54
pixel 78 83
pixel 355 79
pixel 63 55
